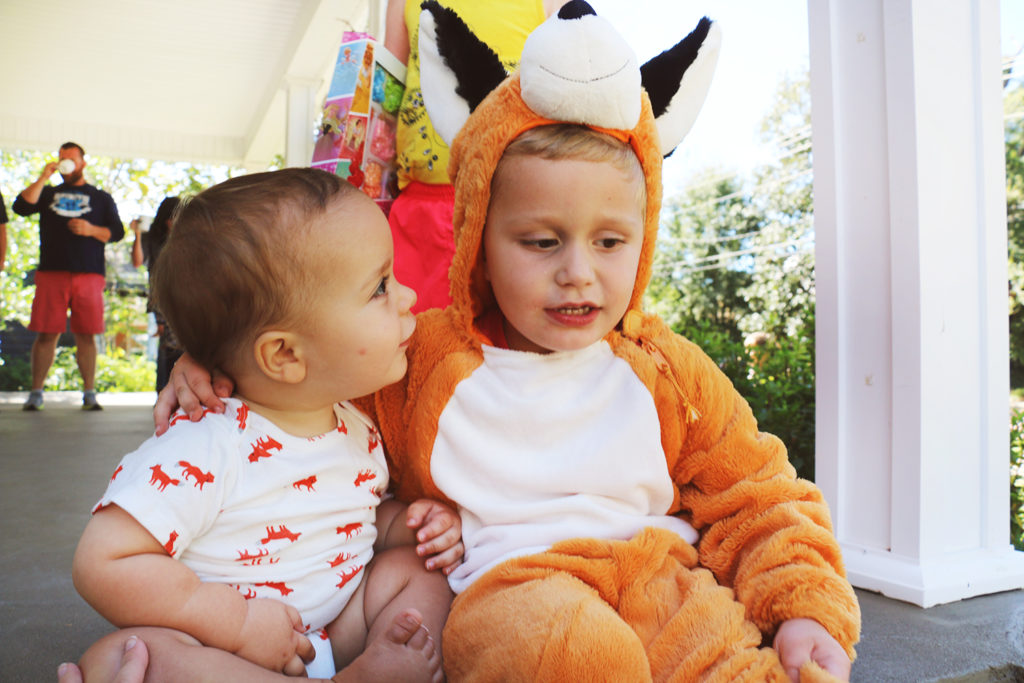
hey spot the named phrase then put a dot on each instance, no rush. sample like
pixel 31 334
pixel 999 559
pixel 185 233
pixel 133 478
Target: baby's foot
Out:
pixel 404 652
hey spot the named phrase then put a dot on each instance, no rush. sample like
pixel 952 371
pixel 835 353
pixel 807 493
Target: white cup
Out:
pixel 66 166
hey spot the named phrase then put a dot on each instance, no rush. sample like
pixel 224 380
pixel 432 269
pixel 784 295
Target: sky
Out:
pixel 762 42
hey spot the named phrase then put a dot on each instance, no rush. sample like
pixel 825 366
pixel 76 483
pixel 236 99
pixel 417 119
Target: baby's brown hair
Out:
pixel 240 259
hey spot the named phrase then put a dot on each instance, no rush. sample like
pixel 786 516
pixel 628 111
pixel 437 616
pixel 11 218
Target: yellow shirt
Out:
pixel 503 25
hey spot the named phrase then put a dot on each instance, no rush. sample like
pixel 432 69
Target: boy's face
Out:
pixel 362 320
pixel 562 246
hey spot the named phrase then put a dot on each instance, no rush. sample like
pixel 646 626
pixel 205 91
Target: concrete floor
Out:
pixel 55 464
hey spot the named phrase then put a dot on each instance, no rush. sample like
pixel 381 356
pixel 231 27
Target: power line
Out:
pixel 719 258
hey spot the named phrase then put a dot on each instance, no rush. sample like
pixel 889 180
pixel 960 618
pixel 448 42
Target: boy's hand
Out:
pixel 191 387
pixel 271 636
pixel 439 537
pixel 800 640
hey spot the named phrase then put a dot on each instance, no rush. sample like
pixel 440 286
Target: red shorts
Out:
pixel 57 291
pixel 421 226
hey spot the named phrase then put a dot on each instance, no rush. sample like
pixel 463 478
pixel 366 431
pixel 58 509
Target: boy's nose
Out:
pixel 576 268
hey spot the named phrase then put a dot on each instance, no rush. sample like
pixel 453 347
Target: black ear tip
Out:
pixel 703 26
pixel 575 9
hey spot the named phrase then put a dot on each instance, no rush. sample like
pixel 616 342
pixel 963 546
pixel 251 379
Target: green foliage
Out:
pixel 15 374
pixel 1013 105
pixel 117 370
pixel 1017 480
pixel 138 186
pixel 736 262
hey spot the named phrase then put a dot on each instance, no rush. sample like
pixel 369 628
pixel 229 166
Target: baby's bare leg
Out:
pixel 173 656
pixel 404 608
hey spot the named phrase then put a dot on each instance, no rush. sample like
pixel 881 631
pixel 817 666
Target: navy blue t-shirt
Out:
pixel 61 249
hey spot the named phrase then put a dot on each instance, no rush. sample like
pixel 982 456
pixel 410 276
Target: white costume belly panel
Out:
pixel 538 449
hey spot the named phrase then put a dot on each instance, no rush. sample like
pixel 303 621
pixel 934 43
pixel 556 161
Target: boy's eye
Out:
pixel 382 288
pixel 610 242
pixel 541 243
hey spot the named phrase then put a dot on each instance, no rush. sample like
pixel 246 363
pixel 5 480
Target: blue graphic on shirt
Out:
pixel 70 204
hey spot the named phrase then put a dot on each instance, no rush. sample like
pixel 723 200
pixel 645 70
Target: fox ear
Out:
pixel 677 82
pixel 457 69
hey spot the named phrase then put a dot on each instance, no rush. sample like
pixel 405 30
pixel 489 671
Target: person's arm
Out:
pixel 127 576
pixel 433 527
pixel 764 533
pixel 396 35
pixel 31 193
pixel 3 246
pixel 82 227
pixel 137 256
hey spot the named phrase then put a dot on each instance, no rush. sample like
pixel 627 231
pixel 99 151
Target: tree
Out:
pixel 734 272
pixel 694 280
pixel 138 186
pixel 781 291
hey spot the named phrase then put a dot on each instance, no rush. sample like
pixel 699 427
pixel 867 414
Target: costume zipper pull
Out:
pixel 692 415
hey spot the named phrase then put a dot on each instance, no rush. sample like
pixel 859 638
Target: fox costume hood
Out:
pixel 687 525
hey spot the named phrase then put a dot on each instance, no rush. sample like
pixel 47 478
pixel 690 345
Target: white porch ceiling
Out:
pixel 177 80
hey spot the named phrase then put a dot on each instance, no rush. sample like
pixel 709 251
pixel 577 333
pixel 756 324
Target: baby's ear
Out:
pixel 457 69
pixel 279 357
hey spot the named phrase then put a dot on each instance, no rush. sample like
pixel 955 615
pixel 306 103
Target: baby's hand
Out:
pixel 271 636
pixel 800 640
pixel 440 534
pixel 191 387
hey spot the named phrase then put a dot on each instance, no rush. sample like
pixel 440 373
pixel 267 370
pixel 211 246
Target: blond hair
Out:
pixel 569 141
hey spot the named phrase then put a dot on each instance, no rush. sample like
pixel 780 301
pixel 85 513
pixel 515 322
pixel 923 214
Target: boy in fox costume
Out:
pixel 623 517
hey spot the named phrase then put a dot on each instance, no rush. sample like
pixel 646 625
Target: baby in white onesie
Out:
pixel 252 531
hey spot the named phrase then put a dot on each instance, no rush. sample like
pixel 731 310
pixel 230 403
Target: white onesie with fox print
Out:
pixel 241 502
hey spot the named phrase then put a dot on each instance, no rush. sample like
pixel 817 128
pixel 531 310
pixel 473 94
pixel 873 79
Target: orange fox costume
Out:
pixel 651 607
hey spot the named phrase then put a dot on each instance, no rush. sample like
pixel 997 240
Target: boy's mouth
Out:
pixel 574 310
pixel 576 315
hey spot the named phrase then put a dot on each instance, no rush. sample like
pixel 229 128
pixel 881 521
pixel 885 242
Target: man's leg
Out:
pixel 86 355
pixel 44 350
pixel 86 323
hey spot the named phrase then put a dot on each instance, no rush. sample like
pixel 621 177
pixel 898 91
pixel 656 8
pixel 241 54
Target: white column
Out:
pixel 301 115
pixel 912 329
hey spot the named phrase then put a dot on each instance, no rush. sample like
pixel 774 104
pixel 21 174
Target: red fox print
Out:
pixel 306 483
pixel 242 416
pixel 279 534
pixel 341 426
pixel 190 470
pixel 161 479
pixel 169 546
pixel 116 472
pixel 181 415
pixel 339 559
pixel 351 529
pixel 276 585
pixel 365 475
pixel 349 574
pixel 262 448
pixel 249 593
pixel 323 634
pixel 374 441
pixel 245 557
